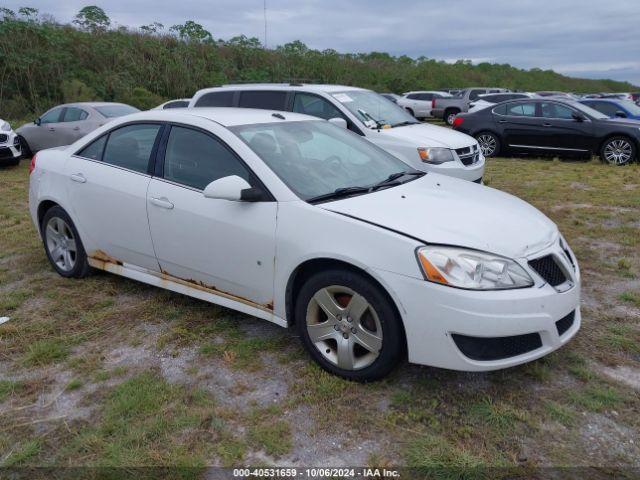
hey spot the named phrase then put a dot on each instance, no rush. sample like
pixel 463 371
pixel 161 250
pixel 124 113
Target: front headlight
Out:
pixel 435 155
pixel 5 127
pixel 471 269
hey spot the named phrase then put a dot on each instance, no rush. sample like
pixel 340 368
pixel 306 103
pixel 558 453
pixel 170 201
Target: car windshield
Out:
pixel 373 109
pixel 317 158
pixel 112 111
pixel 590 111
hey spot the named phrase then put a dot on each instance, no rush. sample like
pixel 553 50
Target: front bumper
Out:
pixel 10 149
pixel 433 314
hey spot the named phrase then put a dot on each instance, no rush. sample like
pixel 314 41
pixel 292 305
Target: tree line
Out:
pixel 44 62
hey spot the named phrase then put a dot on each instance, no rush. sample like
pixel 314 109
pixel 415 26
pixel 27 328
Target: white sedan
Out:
pixel 302 223
pixel 10 148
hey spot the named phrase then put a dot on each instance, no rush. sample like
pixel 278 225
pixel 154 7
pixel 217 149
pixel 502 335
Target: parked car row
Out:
pixel 551 125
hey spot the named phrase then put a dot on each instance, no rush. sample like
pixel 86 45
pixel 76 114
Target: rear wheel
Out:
pixel 489 143
pixel 62 244
pixel 450 116
pixel 348 325
pixel 618 151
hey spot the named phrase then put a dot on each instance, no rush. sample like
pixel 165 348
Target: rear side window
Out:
pixel 94 150
pixel 314 105
pixel 522 109
pixel 263 99
pixel 73 114
pixel 176 104
pixel 196 159
pixel 130 147
pixel 216 99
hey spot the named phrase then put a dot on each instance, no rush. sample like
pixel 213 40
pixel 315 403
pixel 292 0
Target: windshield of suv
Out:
pixel 589 111
pixel 373 109
pixel 112 111
pixel 316 158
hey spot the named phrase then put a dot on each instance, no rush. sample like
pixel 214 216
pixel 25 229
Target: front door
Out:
pixel 564 131
pixel 107 185
pixel 218 244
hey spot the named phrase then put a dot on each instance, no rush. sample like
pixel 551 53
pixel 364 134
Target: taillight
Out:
pixel 457 122
pixel 32 165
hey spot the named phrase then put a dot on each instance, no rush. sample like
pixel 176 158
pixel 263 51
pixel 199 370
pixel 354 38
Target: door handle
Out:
pixel 502 121
pixel 547 125
pixel 78 177
pixel 76 128
pixel 162 202
pixel 51 129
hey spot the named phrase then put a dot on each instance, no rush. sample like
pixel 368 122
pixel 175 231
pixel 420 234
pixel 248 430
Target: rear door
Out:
pixel 520 125
pixel 107 186
pixel 73 125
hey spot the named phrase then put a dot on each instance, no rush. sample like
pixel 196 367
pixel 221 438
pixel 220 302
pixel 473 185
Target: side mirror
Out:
pixel 621 114
pixel 578 117
pixel 340 122
pixel 233 188
pixel 37 121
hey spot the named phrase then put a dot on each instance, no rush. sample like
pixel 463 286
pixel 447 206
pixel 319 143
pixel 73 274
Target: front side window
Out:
pixel 555 110
pixel 216 99
pixel 130 147
pixel 315 157
pixel 196 159
pixel 314 105
pixel 52 116
pixel 373 110
pixel 474 94
pixel 73 114
pixel 522 109
pixel 263 99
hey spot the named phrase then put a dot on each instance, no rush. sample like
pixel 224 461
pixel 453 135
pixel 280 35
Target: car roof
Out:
pixel 312 87
pixel 225 116
pixel 91 104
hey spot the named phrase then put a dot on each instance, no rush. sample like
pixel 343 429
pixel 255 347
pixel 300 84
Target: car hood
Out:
pixel 424 135
pixel 445 210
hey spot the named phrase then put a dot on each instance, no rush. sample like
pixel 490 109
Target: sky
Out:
pixel 580 38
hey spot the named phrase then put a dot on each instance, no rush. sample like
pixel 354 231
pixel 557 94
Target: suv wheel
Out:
pixel 62 244
pixel 618 151
pixel 348 325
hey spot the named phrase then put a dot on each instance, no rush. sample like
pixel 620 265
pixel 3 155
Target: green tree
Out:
pixel 192 31
pixel 92 18
pixel 154 27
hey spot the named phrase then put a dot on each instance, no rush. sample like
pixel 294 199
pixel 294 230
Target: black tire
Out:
pixel 627 145
pixel 388 321
pixel 450 115
pixel 24 147
pixel 80 267
pixel 485 140
pixel 13 162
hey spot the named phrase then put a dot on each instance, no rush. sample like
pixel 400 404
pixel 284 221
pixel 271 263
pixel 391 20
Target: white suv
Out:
pixel 419 104
pixel 425 147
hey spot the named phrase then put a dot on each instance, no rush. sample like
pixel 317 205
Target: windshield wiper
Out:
pixel 392 179
pixel 406 122
pixel 339 193
pixel 365 114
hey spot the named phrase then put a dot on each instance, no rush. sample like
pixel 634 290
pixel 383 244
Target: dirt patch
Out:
pixel 622 373
pixel 604 440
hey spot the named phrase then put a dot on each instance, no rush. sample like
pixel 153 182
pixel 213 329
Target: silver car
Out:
pixel 64 124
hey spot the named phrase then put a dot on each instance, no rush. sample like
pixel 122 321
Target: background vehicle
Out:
pixel 391 96
pixel 448 108
pixel 10 148
pixel 169 197
pixel 420 103
pixel 423 146
pixel 489 99
pixel 551 93
pixel 614 108
pixel 552 126
pixel 178 103
pixel 64 124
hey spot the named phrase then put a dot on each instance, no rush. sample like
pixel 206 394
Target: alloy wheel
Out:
pixel 450 118
pixel 618 152
pixel 487 144
pixel 344 327
pixel 61 243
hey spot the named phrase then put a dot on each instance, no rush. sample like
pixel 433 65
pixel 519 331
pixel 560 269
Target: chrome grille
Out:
pixel 468 155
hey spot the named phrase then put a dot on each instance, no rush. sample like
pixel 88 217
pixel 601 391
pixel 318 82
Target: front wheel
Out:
pixel 62 244
pixel 489 144
pixel 24 148
pixel 618 151
pixel 348 325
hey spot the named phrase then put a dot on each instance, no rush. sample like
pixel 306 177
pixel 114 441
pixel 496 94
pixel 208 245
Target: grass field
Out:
pixel 109 372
